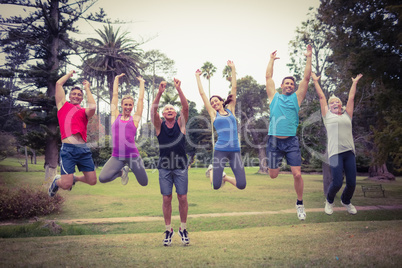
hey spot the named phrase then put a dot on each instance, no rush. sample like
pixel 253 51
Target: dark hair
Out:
pixel 228 100
pixel 77 88
pixel 289 77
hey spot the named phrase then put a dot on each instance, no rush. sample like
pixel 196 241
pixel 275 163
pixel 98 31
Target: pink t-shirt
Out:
pixel 123 133
pixel 72 120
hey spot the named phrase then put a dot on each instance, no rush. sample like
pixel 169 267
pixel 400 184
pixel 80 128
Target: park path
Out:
pixel 212 215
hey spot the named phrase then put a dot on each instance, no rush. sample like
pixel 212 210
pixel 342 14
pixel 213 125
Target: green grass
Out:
pixel 368 239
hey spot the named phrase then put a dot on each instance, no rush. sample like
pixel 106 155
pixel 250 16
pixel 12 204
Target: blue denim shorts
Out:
pixel 178 177
pixel 72 155
pixel 279 148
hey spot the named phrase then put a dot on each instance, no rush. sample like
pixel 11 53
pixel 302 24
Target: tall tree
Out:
pixel 365 37
pixel 208 70
pixel 112 54
pixel 44 31
pixel 253 107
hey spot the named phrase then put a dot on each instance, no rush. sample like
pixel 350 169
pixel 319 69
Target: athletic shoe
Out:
pixel 74 180
pixel 329 208
pixel 208 172
pixel 184 236
pixel 124 175
pixel 168 238
pixel 301 214
pixel 53 188
pixel 351 209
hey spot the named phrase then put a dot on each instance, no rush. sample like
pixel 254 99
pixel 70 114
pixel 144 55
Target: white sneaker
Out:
pixel 124 175
pixel 301 214
pixel 351 209
pixel 329 208
pixel 208 172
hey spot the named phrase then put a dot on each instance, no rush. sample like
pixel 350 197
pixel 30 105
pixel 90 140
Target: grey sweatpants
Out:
pixel 235 162
pixel 112 169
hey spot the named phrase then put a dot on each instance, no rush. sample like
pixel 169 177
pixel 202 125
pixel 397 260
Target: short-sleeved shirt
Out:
pixel 284 115
pixel 124 138
pixel 339 132
pixel 72 120
pixel 172 152
pixel 226 127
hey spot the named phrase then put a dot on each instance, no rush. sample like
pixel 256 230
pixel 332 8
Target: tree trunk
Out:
pixel 263 160
pixel 52 64
pixel 326 176
pixel 380 172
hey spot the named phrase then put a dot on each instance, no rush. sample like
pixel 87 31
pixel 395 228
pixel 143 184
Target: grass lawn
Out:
pixel 372 238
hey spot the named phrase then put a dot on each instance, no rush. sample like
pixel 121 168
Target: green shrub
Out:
pixel 27 202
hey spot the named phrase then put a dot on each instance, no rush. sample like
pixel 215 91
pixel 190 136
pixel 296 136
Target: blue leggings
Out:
pixel 235 162
pixel 338 163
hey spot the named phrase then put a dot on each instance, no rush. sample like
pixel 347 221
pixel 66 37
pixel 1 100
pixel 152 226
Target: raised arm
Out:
pixel 140 102
pixel 270 85
pixel 60 95
pixel 303 86
pixel 320 93
pixel 155 118
pixel 232 105
pixel 208 106
pixel 114 107
pixel 351 99
pixel 183 118
pixel 91 109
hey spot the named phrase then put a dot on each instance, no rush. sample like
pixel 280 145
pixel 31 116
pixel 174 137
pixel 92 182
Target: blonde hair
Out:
pixel 125 97
pixel 334 98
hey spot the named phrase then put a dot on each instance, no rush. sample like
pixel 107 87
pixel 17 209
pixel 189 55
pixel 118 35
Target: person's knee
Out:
pixel 273 173
pixel 182 198
pixel 167 199
pixel 241 186
pixel 297 176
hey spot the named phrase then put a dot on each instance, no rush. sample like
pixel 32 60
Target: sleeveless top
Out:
pixel 123 133
pixel 339 132
pixel 172 152
pixel 72 120
pixel 284 115
pixel 226 127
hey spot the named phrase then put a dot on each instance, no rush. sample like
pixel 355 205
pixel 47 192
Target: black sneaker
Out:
pixel 168 238
pixel 184 236
pixel 53 188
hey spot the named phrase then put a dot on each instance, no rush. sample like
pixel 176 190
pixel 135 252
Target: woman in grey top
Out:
pixel 341 148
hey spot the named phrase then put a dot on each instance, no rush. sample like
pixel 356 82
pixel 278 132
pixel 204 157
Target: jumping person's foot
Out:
pixel 329 208
pixel 351 209
pixel 184 236
pixel 208 172
pixel 124 175
pixel 168 237
pixel 223 181
pixel 301 214
pixel 53 188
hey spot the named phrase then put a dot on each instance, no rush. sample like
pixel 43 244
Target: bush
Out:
pixel 27 202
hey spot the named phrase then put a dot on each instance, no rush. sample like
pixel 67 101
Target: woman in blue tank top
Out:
pixel 227 147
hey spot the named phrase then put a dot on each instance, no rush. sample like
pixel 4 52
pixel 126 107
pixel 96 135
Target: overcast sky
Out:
pixel 193 32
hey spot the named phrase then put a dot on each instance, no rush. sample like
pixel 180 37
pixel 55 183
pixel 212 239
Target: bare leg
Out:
pixel 167 209
pixel 89 177
pixel 273 173
pixel 183 207
pixel 229 179
pixel 298 182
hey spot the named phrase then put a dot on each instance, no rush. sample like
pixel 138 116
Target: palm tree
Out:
pixel 208 69
pixel 112 54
